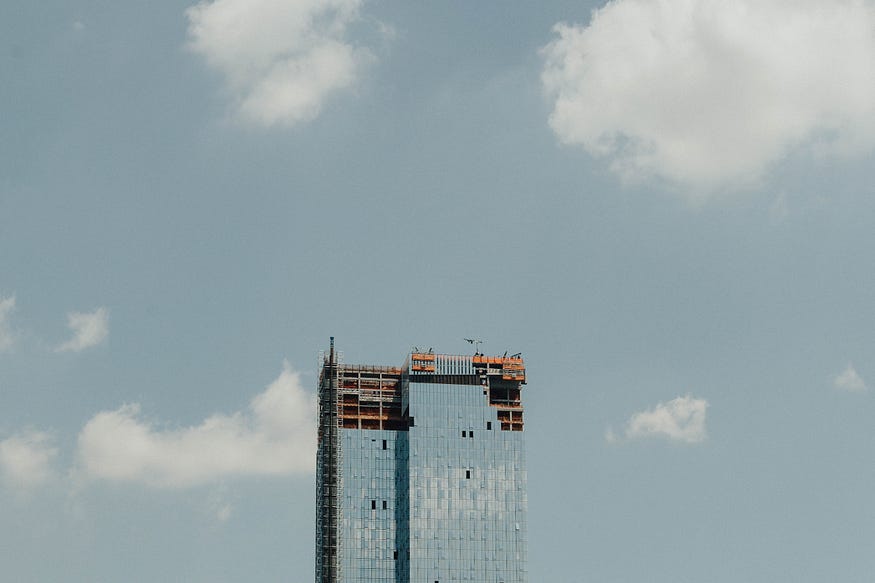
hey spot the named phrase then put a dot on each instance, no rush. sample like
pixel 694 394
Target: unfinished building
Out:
pixel 421 470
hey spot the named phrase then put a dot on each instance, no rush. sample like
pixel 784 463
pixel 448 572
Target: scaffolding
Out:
pixel 328 485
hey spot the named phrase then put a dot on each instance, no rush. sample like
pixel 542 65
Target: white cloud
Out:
pixel 681 419
pixel 26 459
pixel 223 512
pixel 89 329
pixel 610 436
pixel 7 305
pixel 217 505
pixel 849 380
pixel 281 58
pixel 708 94
pixel 275 436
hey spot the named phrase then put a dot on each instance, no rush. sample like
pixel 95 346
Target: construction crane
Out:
pixel 476 343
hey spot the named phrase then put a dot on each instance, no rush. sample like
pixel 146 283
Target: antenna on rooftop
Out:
pixel 476 342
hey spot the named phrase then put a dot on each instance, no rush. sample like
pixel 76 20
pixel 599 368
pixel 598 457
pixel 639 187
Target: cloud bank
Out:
pixel 275 436
pixel 681 419
pixel 26 459
pixel 89 329
pixel 849 380
pixel 281 58
pixel 7 305
pixel 706 94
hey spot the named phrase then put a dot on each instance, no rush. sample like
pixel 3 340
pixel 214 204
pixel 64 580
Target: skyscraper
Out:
pixel 421 471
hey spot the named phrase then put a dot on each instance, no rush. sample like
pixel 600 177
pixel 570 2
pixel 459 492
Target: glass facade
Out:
pixel 368 531
pixel 428 470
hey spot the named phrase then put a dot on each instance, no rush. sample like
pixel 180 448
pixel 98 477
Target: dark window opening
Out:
pixel 467 474
pixel 395 555
pixel 384 444
pixel 470 434
pixel 410 422
pixel 373 504
pixel 489 425
pixel 384 505
pixel 464 434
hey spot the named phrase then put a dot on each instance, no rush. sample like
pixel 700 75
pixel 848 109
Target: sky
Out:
pixel 665 205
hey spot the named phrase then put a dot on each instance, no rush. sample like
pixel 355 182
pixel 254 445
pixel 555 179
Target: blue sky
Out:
pixel 665 205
